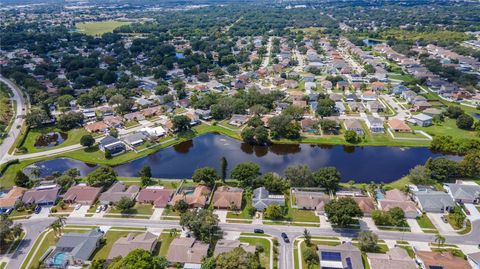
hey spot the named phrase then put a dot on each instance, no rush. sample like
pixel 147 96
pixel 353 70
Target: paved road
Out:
pixel 19 120
pixel 35 227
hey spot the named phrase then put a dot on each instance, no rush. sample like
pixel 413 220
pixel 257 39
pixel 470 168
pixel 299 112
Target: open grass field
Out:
pixel 73 137
pixel 110 238
pixel 99 28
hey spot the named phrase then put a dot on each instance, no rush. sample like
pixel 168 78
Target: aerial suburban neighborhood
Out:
pixel 240 134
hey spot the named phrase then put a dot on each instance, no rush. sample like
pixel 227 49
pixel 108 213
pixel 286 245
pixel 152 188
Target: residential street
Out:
pixel 18 121
pixel 35 227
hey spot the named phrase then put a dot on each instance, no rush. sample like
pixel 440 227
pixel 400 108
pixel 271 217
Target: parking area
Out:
pixel 442 227
pixel 80 212
pixel 44 212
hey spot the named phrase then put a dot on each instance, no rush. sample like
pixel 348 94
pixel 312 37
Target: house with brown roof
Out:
pixel 117 191
pixel 354 125
pixel 398 126
pixel 8 200
pixel 146 241
pixel 309 125
pixel 366 203
pixel 81 194
pixel 187 250
pixel 311 200
pixel 225 245
pixel 378 86
pixel 226 197
pixel 134 116
pixel 42 195
pixel 96 127
pixel 155 195
pixel 195 198
pixel 444 260
pixel 113 121
pixel 396 198
pixel 151 111
pixel 395 258
pixel 299 103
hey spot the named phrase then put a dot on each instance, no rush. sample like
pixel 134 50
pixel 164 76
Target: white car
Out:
pixel 99 209
pixel 77 207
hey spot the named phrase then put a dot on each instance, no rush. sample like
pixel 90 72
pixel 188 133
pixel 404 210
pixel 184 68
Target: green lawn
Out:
pixel 246 204
pixel 73 137
pixel 448 127
pixel 265 255
pixel 110 238
pixel 138 209
pixel 165 241
pixel 425 223
pixel 99 28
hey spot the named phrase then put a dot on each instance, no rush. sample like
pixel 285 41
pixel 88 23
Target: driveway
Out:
pixel 222 215
pixel 442 227
pixel 414 227
pixel 474 214
pixel 157 213
pixel 42 214
pixel 80 212
pixel 367 223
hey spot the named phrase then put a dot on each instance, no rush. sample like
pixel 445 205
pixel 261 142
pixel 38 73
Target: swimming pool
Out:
pixel 58 259
pixel 378 194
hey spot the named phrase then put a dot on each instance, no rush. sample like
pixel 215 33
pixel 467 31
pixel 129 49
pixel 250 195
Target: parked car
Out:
pixel 444 219
pixel 285 238
pixel 8 211
pixel 258 231
pixel 99 209
pixel 104 207
pixel 37 209
pixel 77 207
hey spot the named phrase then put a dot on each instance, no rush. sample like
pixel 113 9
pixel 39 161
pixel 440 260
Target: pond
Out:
pixel 476 115
pixel 362 164
pixel 371 42
pixel 50 139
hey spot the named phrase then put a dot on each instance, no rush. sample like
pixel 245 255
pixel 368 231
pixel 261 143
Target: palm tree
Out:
pixel 55 227
pixel 173 232
pixel 440 240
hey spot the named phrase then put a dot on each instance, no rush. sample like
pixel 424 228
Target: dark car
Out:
pixel 258 231
pixel 37 209
pixel 444 219
pixel 285 238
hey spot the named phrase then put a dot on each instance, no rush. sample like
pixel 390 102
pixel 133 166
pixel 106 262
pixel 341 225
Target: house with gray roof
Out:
pixel 146 241
pixel 433 201
pixel 117 191
pixel 42 195
pixel 421 119
pixel 135 139
pixel 463 193
pixel 375 124
pixel 342 256
pixel 395 258
pixel 74 249
pixel 262 199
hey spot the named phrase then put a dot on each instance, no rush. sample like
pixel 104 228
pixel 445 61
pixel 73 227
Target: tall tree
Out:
pixel 342 212
pixel 223 167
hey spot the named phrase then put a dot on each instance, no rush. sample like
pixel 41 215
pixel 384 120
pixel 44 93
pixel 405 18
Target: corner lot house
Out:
pixel 195 197
pixel 262 199
pixel 396 258
pixel 444 260
pixel 42 195
pixel 8 200
pixel 146 241
pixel 311 200
pixel 434 201
pixel 156 195
pixel 422 120
pixel 228 198
pixel 463 193
pixel 74 249
pixel 81 194
pixel 342 256
pixel 225 245
pixel 188 251
pixel 117 191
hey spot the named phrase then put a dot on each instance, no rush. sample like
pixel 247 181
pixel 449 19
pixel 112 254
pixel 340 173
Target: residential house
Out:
pixel 9 199
pixel 408 95
pixel 262 199
pixel 81 194
pixel 118 191
pixel 399 89
pixel 113 121
pixel 310 86
pixel 226 245
pixel 375 124
pixel 112 144
pixel 398 126
pixel 335 97
pixel 151 111
pixel 226 197
pixel 195 197
pixel 437 260
pixel 137 116
pixel 433 201
pixel 395 258
pixel 354 125
pixel 326 85
pixel 73 249
pixel 158 196
pixel 369 96
pixel 474 259
pixel 238 120
pixel 339 107
pixel 97 127
pixel 351 97
pixel 154 132
pixel 432 111
pixel 420 106
pixel 277 81
pixel 45 195
pixel 375 106
pixel 417 99
pixel 365 203
pixel 124 245
pixel 342 256
pixel 422 120
pixel 187 250
pixel 300 103
pixel 135 139
pixel 463 193
pixel 396 198
pixel 309 125
pixel 203 114
pixel 356 106
pixel 377 86
pixel 311 200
